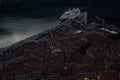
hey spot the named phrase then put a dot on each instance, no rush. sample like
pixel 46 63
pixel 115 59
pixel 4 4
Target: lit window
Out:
pixel 86 79
pixel 98 77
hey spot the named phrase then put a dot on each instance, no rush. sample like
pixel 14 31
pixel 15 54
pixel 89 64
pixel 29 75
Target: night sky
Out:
pixel 110 7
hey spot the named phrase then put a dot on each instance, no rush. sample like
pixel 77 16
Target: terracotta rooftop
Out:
pixel 25 66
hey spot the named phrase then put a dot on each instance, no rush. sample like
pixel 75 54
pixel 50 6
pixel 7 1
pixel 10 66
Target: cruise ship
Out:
pixel 72 50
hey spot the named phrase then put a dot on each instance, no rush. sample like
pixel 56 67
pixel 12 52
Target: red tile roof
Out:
pixel 110 75
pixel 61 70
pixel 115 43
pixel 34 45
pixel 25 67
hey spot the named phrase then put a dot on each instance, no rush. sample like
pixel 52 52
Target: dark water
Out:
pixel 13 30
